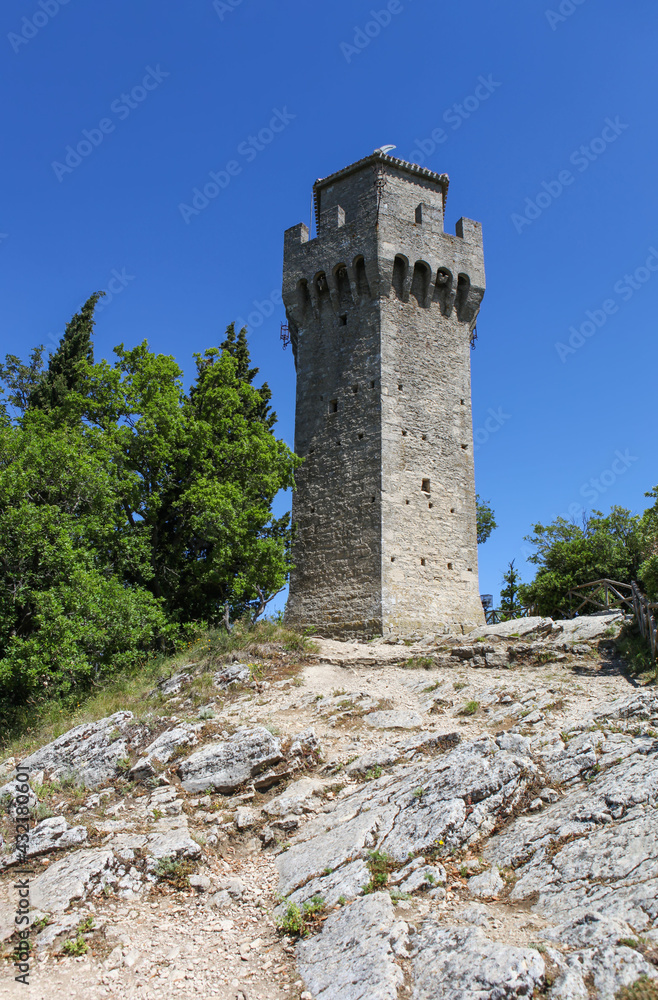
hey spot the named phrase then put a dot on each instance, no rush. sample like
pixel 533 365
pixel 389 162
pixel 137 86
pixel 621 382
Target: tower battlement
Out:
pixel 381 305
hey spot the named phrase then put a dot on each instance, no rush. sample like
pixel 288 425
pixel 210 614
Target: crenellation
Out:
pixel 382 304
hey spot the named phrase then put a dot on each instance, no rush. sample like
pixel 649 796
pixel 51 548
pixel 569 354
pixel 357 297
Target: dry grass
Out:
pixel 280 648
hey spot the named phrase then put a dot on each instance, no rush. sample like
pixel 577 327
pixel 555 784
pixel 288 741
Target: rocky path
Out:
pixel 495 795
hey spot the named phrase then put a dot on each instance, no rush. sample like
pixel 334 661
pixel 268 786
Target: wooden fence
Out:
pixel 646 614
pixel 610 594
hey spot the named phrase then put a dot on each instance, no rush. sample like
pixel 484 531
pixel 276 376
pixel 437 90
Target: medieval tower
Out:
pixel 381 308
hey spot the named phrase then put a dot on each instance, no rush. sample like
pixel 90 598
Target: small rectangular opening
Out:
pixel 333 406
pixel 464 447
pixel 425 486
pixel 422 562
pixel 449 565
pixel 343 319
pixel 360 436
pixel 372 385
pixel 400 386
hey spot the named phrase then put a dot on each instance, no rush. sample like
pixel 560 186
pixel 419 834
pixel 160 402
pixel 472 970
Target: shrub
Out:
pixel 299 922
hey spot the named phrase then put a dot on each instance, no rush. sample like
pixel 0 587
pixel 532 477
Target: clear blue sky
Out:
pixel 209 77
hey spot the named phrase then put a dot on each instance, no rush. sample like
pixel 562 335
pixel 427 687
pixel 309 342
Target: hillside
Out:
pixel 472 816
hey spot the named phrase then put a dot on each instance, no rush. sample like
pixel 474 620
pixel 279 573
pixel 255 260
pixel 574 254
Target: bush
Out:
pixel 299 922
pixel 82 632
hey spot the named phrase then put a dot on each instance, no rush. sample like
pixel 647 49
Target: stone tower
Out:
pixel 381 308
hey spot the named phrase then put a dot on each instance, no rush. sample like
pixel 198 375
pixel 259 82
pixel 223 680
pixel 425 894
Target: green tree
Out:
pixel 19 379
pixel 197 475
pixel 648 571
pixel 569 554
pixel 485 519
pixel 511 605
pixel 65 620
pixel 130 510
pixel 68 366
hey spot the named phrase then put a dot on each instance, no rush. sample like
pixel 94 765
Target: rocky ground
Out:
pixel 468 817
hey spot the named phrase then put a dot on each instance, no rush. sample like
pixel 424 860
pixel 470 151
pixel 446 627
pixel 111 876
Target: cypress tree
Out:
pixel 68 365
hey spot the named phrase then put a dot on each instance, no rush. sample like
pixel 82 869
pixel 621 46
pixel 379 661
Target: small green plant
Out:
pixel 459 685
pixel 299 922
pixel 418 794
pixel 463 871
pixel 75 946
pixel 419 663
pixel 38 925
pixel 629 942
pixel 157 814
pixel 174 871
pixel 642 989
pixel 123 765
pixel 470 708
pixel 538 947
pixel 432 687
pixel 373 773
pixel 431 878
pixel 292 922
pixel 342 900
pixel 379 865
